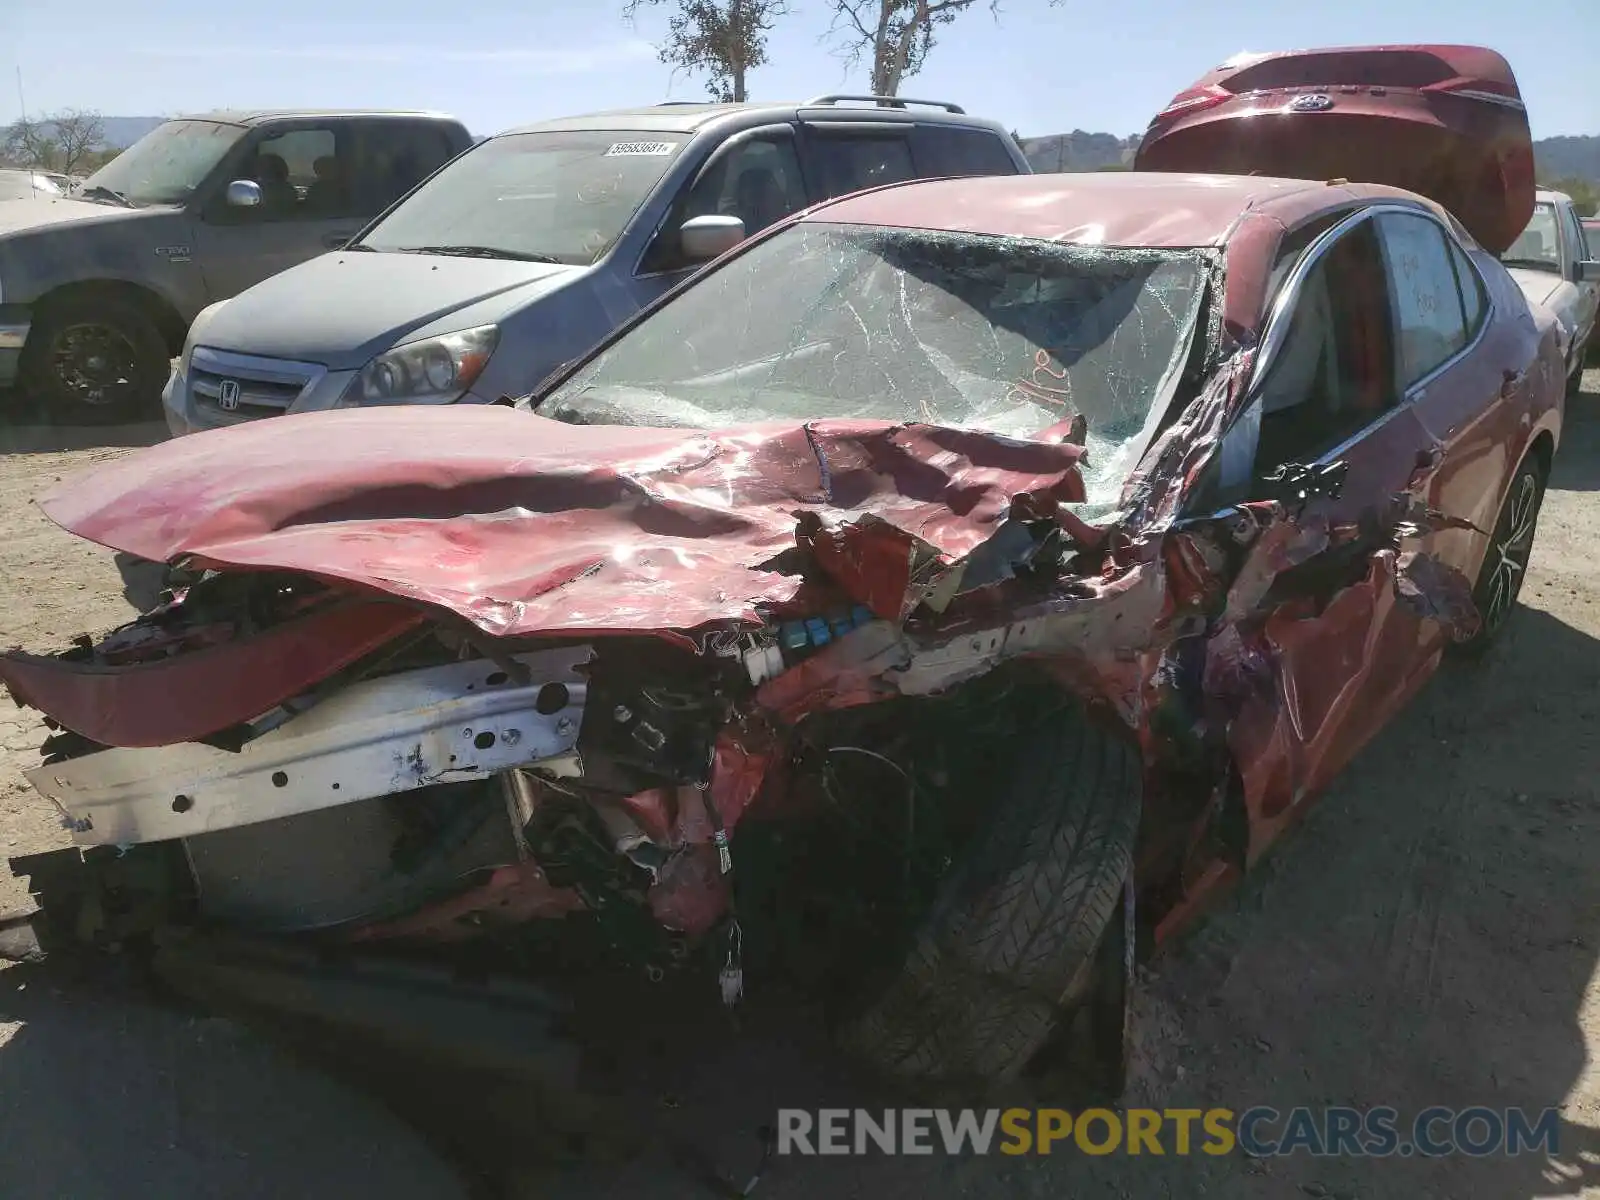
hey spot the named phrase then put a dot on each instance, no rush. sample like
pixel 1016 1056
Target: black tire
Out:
pixel 1505 562
pixel 96 360
pixel 1012 934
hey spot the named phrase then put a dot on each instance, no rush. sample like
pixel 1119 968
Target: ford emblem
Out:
pixel 1313 103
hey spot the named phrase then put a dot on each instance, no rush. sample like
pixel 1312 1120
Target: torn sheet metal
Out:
pixel 1439 592
pixel 187 697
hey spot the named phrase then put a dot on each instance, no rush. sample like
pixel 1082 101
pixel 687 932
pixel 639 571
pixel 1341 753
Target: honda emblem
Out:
pixel 228 395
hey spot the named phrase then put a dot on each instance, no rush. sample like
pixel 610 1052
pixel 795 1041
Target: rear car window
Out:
pixel 850 162
pixel 1422 280
pixel 953 150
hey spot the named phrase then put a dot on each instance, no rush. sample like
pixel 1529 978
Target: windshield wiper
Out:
pixel 1535 264
pixel 105 193
pixel 479 252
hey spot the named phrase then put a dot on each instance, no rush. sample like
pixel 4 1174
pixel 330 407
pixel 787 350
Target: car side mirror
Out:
pixel 243 193
pixel 705 238
pixel 1589 271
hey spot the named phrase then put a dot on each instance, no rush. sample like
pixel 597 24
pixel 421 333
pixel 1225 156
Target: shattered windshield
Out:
pixel 551 197
pixel 1012 336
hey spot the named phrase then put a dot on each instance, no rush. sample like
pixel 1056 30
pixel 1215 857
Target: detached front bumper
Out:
pixel 448 724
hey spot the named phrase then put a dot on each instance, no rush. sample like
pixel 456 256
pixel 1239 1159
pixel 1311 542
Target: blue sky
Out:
pixel 1100 65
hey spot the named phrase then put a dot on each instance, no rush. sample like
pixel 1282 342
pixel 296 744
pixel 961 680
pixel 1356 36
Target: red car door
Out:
pixel 1369 330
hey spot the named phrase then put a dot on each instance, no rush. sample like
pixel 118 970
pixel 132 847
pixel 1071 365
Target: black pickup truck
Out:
pixel 97 290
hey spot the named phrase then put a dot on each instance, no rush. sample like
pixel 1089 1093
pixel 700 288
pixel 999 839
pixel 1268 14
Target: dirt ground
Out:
pixel 1429 936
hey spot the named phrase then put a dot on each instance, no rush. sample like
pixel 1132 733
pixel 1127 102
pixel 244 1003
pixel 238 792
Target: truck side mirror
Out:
pixel 1589 271
pixel 243 193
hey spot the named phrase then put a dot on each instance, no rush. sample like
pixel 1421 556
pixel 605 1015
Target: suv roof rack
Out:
pixel 885 101
pixel 670 103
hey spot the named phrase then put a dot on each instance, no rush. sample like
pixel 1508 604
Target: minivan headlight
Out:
pixel 434 370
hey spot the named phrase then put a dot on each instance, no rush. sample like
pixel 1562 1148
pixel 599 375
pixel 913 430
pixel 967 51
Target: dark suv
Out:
pixel 524 252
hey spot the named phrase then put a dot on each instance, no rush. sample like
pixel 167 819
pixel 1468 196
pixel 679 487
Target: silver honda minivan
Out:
pixel 526 250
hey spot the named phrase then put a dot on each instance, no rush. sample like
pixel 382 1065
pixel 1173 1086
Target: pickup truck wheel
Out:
pixel 96 360
pixel 1010 940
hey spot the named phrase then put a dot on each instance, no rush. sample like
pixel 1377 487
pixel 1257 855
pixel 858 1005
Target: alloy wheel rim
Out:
pixel 97 364
pixel 1508 555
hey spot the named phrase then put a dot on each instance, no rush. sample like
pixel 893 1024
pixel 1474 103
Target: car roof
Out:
pixel 1551 196
pixel 255 116
pixel 675 117
pixel 1110 208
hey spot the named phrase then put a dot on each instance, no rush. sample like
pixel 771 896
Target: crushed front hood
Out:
pixel 525 525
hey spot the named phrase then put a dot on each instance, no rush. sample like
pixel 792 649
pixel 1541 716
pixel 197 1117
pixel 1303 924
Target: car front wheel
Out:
pixel 1009 945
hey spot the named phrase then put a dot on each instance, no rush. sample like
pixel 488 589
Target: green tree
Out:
pixel 724 40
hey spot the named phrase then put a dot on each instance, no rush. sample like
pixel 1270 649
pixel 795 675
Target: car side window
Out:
pixel 287 167
pixel 849 162
pixel 955 150
pixel 395 157
pixel 1474 303
pixel 758 181
pixel 1331 376
pixel 1429 317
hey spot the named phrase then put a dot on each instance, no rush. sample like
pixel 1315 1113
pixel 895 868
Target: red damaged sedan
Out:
pixel 949 584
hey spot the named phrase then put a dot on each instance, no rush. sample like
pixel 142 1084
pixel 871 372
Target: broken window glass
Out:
pixel 1007 335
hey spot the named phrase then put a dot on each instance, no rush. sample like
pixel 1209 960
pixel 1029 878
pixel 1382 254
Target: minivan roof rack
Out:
pixel 886 101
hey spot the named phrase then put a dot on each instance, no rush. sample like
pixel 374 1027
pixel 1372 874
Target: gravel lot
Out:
pixel 1429 936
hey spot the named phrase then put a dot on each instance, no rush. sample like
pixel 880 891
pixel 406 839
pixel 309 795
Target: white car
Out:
pixel 27 185
pixel 1553 266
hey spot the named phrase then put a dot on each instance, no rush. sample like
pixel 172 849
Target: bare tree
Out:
pixel 722 39
pixel 896 35
pixel 65 141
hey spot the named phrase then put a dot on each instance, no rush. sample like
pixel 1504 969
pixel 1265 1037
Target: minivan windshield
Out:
pixel 551 197
pixel 167 164
pixel 1009 335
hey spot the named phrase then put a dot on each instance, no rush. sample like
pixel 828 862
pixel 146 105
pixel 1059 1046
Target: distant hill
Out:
pixel 1556 157
pixel 1568 158
pixel 122 132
